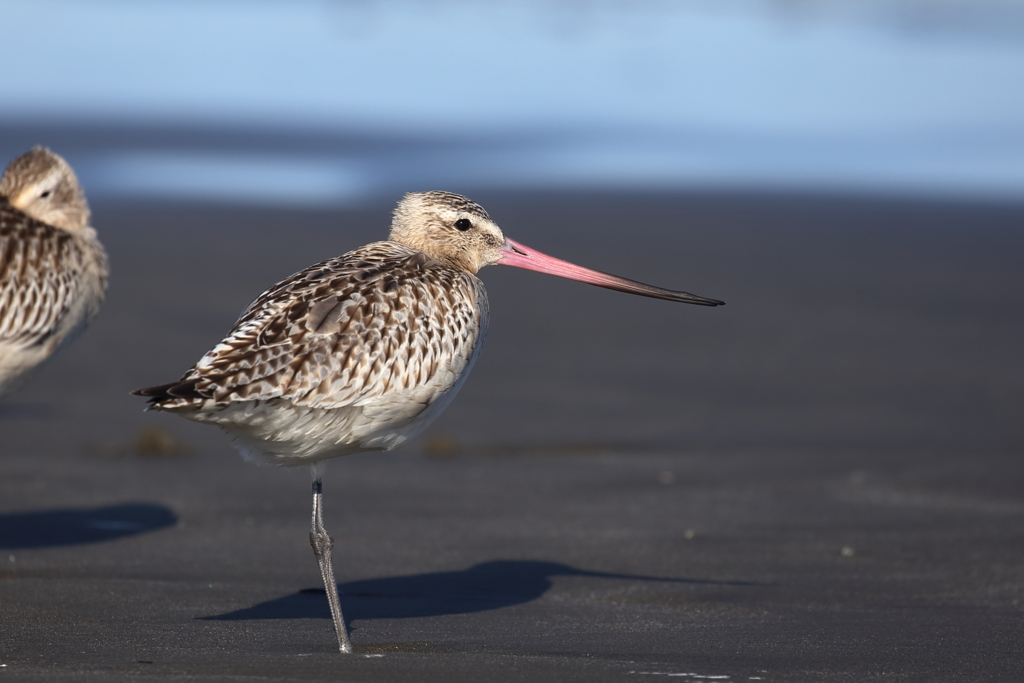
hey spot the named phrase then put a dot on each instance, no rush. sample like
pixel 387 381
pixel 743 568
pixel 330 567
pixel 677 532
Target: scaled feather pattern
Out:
pixel 377 339
pixel 53 275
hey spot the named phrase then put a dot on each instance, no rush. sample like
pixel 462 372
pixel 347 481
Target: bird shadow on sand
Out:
pixel 482 587
pixel 72 526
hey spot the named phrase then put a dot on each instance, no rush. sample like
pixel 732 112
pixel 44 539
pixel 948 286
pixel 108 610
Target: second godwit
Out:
pixel 53 270
pixel 361 352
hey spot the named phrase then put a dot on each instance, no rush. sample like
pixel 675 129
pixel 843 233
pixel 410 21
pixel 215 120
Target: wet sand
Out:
pixel 820 481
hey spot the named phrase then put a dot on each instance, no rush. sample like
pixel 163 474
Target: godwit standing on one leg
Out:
pixel 53 270
pixel 361 352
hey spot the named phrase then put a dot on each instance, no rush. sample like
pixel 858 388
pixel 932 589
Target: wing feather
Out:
pixel 384 318
pixel 41 270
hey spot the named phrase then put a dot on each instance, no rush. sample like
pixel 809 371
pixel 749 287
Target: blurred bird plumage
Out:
pixel 53 269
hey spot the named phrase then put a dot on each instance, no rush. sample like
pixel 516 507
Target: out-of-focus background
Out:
pixel 821 480
pixel 327 102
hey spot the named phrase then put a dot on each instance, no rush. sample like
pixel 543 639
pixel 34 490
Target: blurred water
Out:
pixel 205 175
pixel 318 102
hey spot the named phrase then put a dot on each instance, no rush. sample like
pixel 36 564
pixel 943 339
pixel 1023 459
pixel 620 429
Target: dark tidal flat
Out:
pixel 821 481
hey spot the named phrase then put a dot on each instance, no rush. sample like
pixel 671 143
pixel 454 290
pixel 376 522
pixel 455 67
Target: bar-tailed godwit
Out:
pixel 360 352
pixel 53 270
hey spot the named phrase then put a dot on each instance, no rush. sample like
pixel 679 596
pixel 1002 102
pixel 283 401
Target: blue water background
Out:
pixel 327 103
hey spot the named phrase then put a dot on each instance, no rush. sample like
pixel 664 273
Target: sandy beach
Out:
pixel 821 480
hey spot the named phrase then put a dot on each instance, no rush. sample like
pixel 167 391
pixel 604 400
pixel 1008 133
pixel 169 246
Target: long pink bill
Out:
pixel 520 256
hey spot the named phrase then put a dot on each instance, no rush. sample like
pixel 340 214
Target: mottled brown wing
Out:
pixel 379 319
pixel 40 269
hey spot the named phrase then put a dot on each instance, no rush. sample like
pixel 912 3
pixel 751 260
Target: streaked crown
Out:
pixel 448 227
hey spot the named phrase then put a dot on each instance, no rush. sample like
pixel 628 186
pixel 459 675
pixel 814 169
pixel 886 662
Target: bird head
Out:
pixel 43 186
pixel 457 231
pixel 448 227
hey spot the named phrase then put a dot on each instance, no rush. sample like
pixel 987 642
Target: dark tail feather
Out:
pixel 165 392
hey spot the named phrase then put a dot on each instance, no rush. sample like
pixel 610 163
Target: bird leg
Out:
pixel 322 544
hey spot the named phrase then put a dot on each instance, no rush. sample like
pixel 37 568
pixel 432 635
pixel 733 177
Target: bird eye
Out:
pixel 44 195
pixel 463 224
